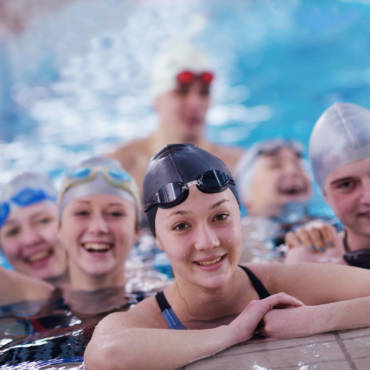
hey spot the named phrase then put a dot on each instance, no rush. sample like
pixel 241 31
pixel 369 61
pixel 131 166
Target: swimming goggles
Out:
pixel 359 258
pixel 174 193
pixel 23 198
pixel 188 77
pixel 270 147
pixel 114 176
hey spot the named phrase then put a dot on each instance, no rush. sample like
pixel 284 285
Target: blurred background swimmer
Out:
pixel 99 210
pixel 275 190
pixel 340 157
pixel 182 79
pixel 28 228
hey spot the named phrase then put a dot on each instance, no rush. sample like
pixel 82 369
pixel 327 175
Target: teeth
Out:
pixel 38 256
pixel 101 247
pixel 207 263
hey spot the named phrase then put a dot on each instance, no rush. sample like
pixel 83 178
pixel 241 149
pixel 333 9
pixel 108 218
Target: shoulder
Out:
pixel 131 149
pixel 145 314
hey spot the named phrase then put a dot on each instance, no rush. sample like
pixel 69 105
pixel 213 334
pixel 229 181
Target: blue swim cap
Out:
pixel 179 164
pixel 24 190
pixel 340 136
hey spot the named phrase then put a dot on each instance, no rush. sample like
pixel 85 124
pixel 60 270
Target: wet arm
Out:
pixel 17 287
pixel 311 320
pixel 116 346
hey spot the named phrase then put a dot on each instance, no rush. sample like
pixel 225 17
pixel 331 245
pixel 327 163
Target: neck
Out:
pixel 80 280
pixel 356 241
pixel 60 281
pixel 195 303
pixel 163 136
pixel 98 301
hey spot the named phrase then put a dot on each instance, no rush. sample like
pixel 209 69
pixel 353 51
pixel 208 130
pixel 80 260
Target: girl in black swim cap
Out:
pixel 166 181
pixel 192 207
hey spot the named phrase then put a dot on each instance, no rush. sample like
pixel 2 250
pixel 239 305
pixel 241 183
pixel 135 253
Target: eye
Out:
pixel 81 213
pixel 116 214
pixel 182 89
pixel 44 220
pixel 12 231
pixel 221 217
pixel 204 90
pixel 181 226
pixel 345 185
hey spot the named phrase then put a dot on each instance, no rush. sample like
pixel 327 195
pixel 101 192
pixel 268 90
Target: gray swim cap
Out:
pixel 98 176
pixel 245 166
pixel 340 136
pixel 24 190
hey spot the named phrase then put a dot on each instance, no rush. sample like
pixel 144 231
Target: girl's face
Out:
pixel 202 237
pixel 29 241
pixel 347 191
pixel 98 232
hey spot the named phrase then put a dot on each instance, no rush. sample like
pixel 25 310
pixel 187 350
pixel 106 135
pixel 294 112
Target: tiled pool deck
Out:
pixel 338 350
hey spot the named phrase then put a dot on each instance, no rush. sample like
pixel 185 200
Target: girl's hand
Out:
pixel 316 236
pixel 244 326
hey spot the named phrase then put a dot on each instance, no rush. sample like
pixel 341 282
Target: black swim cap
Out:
pixel 178 163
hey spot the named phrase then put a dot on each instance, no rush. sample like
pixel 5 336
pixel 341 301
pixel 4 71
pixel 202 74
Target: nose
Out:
pixel 206 238
pixel 365 195
pixel 97 224
pixel 293 168
pixel 30 236
pixel 195 100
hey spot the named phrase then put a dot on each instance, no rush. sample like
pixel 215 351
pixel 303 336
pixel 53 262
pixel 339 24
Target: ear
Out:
pixel 159 244
pixel 137 235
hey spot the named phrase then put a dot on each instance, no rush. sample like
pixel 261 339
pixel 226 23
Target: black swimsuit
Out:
pixel 173 321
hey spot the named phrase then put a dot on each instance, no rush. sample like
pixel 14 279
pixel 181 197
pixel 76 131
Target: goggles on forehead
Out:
pixel 174 193
pixel 188 77
pixel 23 198
pixel 114 176
pixel 271 147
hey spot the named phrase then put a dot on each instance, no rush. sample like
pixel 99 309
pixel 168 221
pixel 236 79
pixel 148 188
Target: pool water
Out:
pixel 74 82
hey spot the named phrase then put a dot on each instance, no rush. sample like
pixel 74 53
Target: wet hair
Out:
pixel 340 136
pixel 178 163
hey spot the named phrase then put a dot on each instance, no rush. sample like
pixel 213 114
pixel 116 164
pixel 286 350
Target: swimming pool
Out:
pixel 74 82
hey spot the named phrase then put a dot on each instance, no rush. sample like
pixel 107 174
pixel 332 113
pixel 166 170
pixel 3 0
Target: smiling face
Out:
pixel 202 237
pixel 347 191
pixel 277 179
pixel 98 232
pixel 182 111
pixel 29 241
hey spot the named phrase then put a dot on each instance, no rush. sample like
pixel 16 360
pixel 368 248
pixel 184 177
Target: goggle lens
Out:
pixel 188 77
pixel 174 193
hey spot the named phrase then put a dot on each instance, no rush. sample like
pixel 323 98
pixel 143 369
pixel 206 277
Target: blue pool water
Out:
pixel 74 77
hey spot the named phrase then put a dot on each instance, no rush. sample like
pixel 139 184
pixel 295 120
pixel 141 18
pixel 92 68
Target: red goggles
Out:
pixel 188 77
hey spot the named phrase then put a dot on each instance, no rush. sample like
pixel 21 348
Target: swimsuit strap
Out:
pixel 168 314
pixel 173 321
pixel 257 283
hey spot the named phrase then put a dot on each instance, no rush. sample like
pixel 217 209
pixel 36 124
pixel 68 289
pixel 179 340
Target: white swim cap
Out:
pixel 173 59
pixel 340 136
